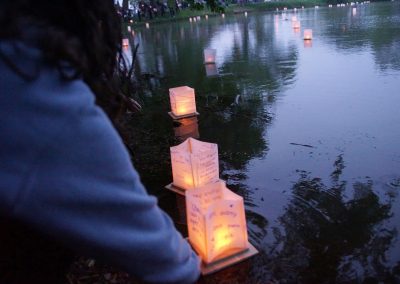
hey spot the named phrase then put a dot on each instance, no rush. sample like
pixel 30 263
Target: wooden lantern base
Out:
pixel 175 189
pixel 177 117
pixel 178 189
pixel 212 267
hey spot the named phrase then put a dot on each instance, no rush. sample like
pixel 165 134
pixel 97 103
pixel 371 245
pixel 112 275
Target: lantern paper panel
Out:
pixel 209 55
pixel 125 42
pixel 194 164
pixel 182 101
pixel 216 221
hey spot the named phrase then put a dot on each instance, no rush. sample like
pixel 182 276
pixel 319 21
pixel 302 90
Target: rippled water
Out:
pixel 308 133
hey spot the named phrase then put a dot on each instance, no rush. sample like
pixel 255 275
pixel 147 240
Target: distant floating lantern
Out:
pixel 190 20
pixel 194 164
pixel 131 21
pixel 354 11
pixel 133 33
pixel 223 15
pixel 294 19
pixel 198 18
pixel 284 8
pixel 302 7
pixel 129 28
pixel 194 19
pixel 330 5
pixel 295 9
pixel 308 34
pixel 211 70
pixel 125 42
pixel 245 14
pixel 277 9
pixel 217 226
pixel 206 17
pixel 183 102
pixel 147 25
pixel 316 7
pixel 296 25
pixel 209 55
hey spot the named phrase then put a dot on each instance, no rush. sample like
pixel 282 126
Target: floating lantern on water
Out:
pixel 209 55
pixel 277 9
pixel 194 164
pixel 284 8
pixel 330 5
pixel 294 19
pixel 295 9
pixel 131 21
pixel 217 225
pixel 183 103
pixel 194 19
pixel 133 33
pixel 316 7
pixel 147 25
pixel 302 7
pixel 125 42
pixel 354 11
pixel 296 25
pixel 245 14
pixel 128 28
pixel 190 19
pixel 223 15
pixel 211 70
pixel 308 34
pixel 206 17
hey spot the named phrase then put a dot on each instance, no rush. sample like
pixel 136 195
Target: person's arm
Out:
pixel 82 189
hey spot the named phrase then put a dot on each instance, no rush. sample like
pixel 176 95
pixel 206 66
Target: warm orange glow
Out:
pixel 209 55
pixel 194 164
pixel 308 43
pixel 308 34
pixel 182 100
pixel 216 221
pixel 296 25
pixel 125 42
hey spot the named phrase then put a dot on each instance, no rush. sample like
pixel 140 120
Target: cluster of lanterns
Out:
pixel 215 215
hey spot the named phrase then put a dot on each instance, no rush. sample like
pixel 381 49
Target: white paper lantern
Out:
pixel 216 221
pixel 308 34
pixel 209 55
pixel 125 42
pixel 183 101
pixel 194 164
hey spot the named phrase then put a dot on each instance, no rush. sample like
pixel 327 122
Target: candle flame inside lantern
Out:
pixel 125 42
pixel 209 55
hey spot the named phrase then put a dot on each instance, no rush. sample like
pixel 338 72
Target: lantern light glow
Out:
pixel 183 103
pixel 209 55
pixel 125 42
pixel 308 34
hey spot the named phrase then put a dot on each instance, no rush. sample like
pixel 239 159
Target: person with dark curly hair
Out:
pixel 66 179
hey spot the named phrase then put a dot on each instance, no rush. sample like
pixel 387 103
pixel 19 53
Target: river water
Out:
pixel 308 133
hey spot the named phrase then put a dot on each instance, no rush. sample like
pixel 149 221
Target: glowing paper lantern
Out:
pixel 223 15
pixel 354 11
pixel 194 164
pixel 216 222
pixel 129 28
pixel 245 14
pixel 147 25
pixel 125 42
pixel 183 103
pixel 209 55
pixel 206 17
pixel 308 34
pixel 190 19
pixel 294 19
pixel 296 25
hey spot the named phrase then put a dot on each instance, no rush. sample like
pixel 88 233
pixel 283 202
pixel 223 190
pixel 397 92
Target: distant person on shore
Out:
pixel 66 178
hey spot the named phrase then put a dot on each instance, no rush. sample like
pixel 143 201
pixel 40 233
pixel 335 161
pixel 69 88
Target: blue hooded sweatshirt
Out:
pixel 65 172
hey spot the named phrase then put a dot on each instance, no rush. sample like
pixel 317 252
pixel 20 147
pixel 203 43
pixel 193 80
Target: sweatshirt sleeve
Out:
pixel 83 190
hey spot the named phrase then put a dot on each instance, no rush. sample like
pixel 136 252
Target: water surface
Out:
pixel 308 134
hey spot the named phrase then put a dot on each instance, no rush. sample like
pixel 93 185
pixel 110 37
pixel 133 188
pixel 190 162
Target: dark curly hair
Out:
pixel 85 34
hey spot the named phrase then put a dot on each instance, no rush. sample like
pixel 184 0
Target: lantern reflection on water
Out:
pixel 194 164
pixel 216 222
pixel 211 70
pixel 188 127
pixel 183 103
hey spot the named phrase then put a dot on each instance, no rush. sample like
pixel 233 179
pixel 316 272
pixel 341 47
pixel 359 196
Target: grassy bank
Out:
pixel 235 8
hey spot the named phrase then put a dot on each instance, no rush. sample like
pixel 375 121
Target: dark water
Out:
pixel 307 133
